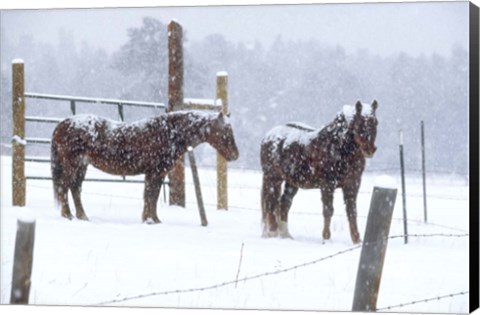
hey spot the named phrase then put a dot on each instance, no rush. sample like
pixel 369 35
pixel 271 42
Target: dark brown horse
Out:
pixel 298 156
pixel 149 147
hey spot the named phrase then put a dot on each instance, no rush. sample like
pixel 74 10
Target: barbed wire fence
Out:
pixel 293 268
pixel 231 282
pixel 245 208
pixel 437 298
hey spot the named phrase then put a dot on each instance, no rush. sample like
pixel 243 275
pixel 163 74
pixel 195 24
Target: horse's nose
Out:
pixel 234 155
pixel 371 152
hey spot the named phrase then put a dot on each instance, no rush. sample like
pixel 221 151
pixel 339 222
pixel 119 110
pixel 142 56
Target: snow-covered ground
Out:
pixel 114 259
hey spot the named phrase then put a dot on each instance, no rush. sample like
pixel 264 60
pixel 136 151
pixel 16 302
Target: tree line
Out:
pixel 290 80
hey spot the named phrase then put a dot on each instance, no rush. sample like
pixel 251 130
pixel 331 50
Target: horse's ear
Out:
pixel 221 117
pixel 358 107
pixel 374 106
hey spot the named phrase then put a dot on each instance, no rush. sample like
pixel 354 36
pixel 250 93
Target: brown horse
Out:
pixel 150 147
pixel 298 156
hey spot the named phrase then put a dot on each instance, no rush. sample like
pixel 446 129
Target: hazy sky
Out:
pixel 382 28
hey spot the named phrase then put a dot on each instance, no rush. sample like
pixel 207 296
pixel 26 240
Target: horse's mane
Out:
pixel 336 132
pixel 339 125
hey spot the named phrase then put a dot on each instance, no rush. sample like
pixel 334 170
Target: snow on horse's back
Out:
pixel 296 156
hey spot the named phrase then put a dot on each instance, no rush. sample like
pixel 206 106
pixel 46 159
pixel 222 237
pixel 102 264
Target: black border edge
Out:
pixel 474 157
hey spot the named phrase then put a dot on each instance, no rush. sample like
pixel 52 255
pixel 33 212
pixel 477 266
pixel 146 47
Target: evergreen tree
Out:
pixel 143 62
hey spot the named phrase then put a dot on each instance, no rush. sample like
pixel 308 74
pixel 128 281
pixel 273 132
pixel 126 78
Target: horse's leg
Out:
pixel 76 191
pixel 61 186
pixel 271 189
pixel 327 200
pixel 289 192
pixel 153 183
pixel 61 196
pixel 350 197
pixel 63 200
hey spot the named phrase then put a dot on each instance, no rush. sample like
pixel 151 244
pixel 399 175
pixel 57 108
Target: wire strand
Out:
pixel 266 274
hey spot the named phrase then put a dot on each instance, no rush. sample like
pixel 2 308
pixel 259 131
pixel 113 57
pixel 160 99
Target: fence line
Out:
pixel 369 169
pixel 266 274
pixel 432 235
pixel 437 298
pixel 107 178
pixel 249 208
pixel 212 167
pixel 251 187
pixel 231 282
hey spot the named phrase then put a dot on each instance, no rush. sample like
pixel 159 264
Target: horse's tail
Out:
pixel 263 196
pixel 57 172
pixel 262 203
pixel 264 193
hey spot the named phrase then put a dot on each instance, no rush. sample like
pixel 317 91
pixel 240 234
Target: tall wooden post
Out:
pixel 18 140
pixel 23 262
pixel 222 94
pixel 175 102
pixel 374 249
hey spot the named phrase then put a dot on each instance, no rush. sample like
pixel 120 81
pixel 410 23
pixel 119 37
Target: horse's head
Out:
pixel 222 139
pixel 365 129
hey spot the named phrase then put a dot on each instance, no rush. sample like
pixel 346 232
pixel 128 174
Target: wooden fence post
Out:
pixel 222 194
pixel 18 140
pixel 198 191
pixel 175 102
pixel 373 250
pixel 23 262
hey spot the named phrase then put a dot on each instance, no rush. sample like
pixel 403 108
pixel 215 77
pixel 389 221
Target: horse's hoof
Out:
pixel 283 230
pixel 82 217
pixel 356 241
pixel 68 216
pixel 355 238
pixel 286 235
pixel 326 235
pixel 269 234
pixel 152 221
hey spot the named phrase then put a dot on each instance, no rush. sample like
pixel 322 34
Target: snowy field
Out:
pixel 116 260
